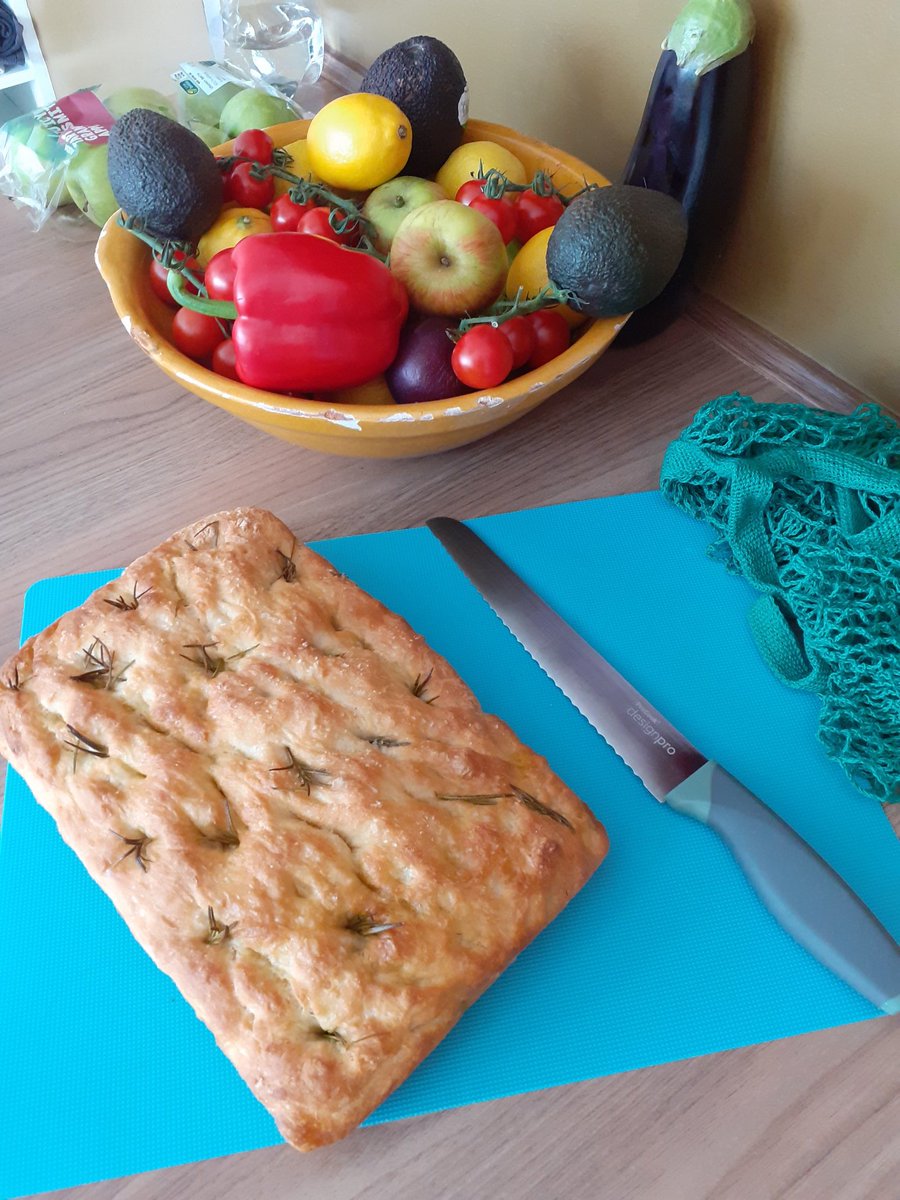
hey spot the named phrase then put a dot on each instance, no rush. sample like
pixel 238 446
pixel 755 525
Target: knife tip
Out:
pixel 435 524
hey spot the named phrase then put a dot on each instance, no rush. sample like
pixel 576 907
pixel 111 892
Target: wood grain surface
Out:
pixel 101 457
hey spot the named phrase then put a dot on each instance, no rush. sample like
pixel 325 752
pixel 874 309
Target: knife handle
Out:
pixel 800 890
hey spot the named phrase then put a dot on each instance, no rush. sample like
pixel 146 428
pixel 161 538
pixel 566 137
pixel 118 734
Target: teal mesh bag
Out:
pixel 806 505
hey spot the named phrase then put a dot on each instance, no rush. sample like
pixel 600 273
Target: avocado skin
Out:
pixel 163 173
pixel 425 80
pixel 615 248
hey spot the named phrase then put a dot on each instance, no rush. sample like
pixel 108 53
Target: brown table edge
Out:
pixel 768 354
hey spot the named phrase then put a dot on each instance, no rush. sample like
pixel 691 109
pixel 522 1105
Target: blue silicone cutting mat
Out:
pixel 665 954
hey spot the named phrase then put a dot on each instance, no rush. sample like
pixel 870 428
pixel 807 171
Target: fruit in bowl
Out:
pixel 387 205
pixel 343 303
pixel 450 258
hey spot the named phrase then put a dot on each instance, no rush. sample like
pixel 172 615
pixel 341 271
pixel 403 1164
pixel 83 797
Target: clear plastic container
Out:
pixel 280 46
pixel 339 76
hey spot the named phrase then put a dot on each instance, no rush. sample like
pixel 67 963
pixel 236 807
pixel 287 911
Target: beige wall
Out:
pixel 118 42
pixel 815 253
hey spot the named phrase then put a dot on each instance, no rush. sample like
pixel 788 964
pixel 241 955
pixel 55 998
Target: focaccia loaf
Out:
pixel 298 808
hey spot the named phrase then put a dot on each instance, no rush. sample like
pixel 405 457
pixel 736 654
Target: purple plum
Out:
pixel 421 370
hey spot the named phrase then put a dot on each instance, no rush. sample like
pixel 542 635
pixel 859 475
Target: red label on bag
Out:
pixel 77 118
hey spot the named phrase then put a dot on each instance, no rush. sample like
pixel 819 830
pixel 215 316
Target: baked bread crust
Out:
pixel 298 808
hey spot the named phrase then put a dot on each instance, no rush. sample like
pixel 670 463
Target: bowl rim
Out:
pixel 598 332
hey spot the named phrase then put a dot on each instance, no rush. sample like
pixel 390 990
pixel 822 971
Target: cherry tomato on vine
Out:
pixel 534 213
pixel 195 334
pixel 551 335
pixel 223 360
pixel 159 278
pixel 482 357
pixel 255 144
pixel 469 191
pixel 473 189
pixel 318 221
pixel 285 213
pixel 503 215
pixel 219 276
pixel 520 335
pixel 245 190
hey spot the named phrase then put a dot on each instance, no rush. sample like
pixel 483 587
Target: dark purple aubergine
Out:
pixel 421 369
pixel 692 139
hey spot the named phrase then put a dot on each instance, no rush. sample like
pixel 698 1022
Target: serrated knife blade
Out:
pixel 657 753
pixel 805 895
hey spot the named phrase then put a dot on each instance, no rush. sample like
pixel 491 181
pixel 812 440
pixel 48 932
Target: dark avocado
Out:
pixel 615 248
pixel 424 79
pixel 164 174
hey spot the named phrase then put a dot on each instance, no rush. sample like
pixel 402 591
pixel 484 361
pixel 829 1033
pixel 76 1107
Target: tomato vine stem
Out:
pixel 518 306
pixel 497 184
pixel 165 250
pixel 345 214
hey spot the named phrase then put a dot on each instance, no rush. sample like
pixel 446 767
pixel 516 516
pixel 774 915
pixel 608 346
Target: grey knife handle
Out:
pixel 802 892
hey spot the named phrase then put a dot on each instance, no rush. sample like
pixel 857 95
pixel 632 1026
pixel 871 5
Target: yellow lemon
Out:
pixel 299 166
pixel 359 141
pixel 229 228
pixel 528 271
pixel 463 164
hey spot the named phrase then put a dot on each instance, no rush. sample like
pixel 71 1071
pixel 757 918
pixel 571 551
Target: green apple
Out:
pixel 46 146
pixel 211 134
pixel 125 99
pixel 206 110
pixel 450 258
pixel 252 109
pixel 389 204
pixel 88 183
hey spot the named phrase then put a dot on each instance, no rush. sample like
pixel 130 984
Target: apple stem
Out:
pixel 519 306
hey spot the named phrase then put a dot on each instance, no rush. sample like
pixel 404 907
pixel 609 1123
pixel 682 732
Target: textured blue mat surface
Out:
pixel 666 953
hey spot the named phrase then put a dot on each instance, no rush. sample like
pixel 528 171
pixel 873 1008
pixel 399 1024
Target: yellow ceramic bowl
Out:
pixel 369 424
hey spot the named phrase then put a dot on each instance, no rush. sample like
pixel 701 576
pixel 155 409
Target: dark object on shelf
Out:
pixel 12 45
pixel 692 138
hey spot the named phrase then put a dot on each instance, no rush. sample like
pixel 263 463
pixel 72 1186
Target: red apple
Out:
pixel 388 205
pixel 450 258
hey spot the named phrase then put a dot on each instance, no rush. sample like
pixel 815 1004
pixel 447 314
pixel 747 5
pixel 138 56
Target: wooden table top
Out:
pixel 102 456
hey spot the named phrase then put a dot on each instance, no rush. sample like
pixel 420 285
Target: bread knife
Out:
pixel 804 894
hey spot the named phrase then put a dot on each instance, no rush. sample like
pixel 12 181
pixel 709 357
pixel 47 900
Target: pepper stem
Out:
pixel 201 304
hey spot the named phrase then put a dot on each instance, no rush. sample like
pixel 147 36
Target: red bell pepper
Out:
pixel 309 315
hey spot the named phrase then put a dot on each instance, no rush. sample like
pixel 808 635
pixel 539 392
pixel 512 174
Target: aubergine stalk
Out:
pixel 692 139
